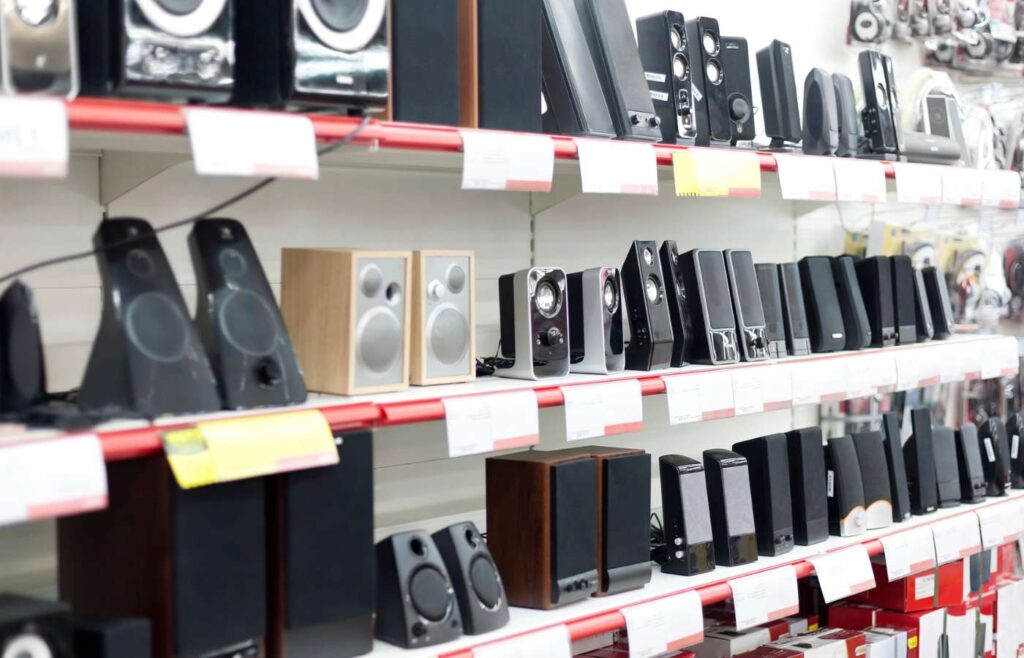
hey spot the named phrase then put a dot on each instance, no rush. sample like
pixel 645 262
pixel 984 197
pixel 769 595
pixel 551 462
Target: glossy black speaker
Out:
pixel 874 275
pixel 596 325
pixel 710 307
pixel 808 485
pixel 425 84
pixel 851 304
pixel 825 317
pixel 34 628
pixel 147 358
pixel 740 98
pixel 709 79
pixel 664 53
pixel 919 457
pixel 849 121
pixel 239 321
pixel 534 323
pixel 947 473
pixel 821 114
pixel 778 93
pixel 968 457
pixel 22 370
pixel 128 637
pixel 689 540
pixel 767 458
pixel 995 456
pixel 938 302
pixel 875 477
pixel 682 327
pixel 475 578
pixel 651 336
pixel 746 303
pixel 732 508
pixel 877 117
pixel 903 299
pixel 896 466
pixel 770 288
pixel 846 513
pixel 922 309
pixel 794 312
pixel 894 102
pixel 1014 432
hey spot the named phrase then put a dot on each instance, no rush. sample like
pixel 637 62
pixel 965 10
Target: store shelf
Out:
pixel 596 616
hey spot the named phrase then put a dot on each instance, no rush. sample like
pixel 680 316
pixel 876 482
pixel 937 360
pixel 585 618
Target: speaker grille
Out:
pixel 574 508
pixel 249 323
pixel 157 328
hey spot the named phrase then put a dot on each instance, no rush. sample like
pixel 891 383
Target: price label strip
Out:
pixel 254 446
pixel 884 375
pixel 908 553
pixel 918 183
pixel 806 178
pixel 859 180
pixel 484 423
pixel 551 643
pixel 46 478
pixel 717 173
pixel 505 161
pixel 610 167
pixel 746 391
pixel 961 186
pixel 997 528
pixel 829 379
pixel 682 392
pixel 246 143
pixel 969 356
pixel 859 382
pixel 776 387
pixel 956 538
pixel 1001 189
pixel 593 410
pixel 668 624
pixel 716 395
pixel 843 573
pixel 765 597
pixel 33 137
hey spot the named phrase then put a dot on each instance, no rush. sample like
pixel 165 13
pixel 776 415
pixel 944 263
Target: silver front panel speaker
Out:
pixel 534 324
pixel 443 317
pixel 596 321
pixel 39 47
pixel 379 321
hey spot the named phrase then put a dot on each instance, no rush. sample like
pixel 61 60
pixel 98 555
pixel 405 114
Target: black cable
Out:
pixel 241 196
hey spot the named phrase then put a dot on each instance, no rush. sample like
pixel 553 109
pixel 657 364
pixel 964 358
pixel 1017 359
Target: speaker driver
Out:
pixel 484 577
pixel 713 71
pixel 27 646
pixel 675 35
pixel 456 279
pixel 611 295
pixel 249 323
pixel 157 328
pixel 430 594
pixel 548 299
pixel 36 12
pixel 867 27
pixel 449 332
pixel 180 7
pixel 182 18
pixel 345 25
pixel 380 340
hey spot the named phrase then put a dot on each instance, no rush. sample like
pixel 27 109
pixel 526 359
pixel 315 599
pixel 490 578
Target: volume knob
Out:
pixel 552 337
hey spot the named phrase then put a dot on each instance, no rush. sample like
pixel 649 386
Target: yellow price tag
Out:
pixel 912 642
pixel 241 448
pixel 717 172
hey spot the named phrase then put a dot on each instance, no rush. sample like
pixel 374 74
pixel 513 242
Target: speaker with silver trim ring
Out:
pixel 534 312
pixel 849 122
pixel 359 342
pixel 39 46
pixel 443 317
pixel 416 605
pixel 34 628
pixel 821 114
pixel 179 50
pixel 239 321
pixel 651 340
pixel 746 303
pixel 477 583
pixel 709 77
pixel 22 369
pixel 665 53
pixel 682 327
pixel 147 357
pixel 596 325
pixel 710 307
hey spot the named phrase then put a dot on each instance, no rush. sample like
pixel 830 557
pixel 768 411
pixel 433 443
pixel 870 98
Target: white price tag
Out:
pixel 929 365
pixel 859 180
pixel 683 395
pixel 33 137
pixel 956 538
pixel 612 167
pixel 716 395
pixel 969 355
pixel 593 410
pixel 951 368
pixel 765 597
pixel 806 385
pixel 907 369
pixel 506 161
pixel 551 643
pixel 246 143
pixel 961 186
pixel 830 378
pixel 884 375
pixel 45 478
pixel 668 624
pixel 746 391
pixel 1009 356
pixel 1009 612
pixel 859 374
pixel 483 423
pixel 776 386
pixel 994 532
pixel 843 573
pixel 910 552
pixel 918 183
pixel 991 362
pixel 804 177
pixel 1001 189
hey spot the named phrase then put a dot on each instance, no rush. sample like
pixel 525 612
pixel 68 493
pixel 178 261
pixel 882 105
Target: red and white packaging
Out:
pixel 925 629
pixel 770 652
pixel 855 641
pixel 961 629
pixel 800 624
pixel 923 591
pixel 726 641
pixel 879 645
pixel 899 636
pixel 777 629
pixel 812 646
pixel 853 616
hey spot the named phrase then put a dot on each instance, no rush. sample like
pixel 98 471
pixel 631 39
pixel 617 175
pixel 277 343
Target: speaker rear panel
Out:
pixel 380 290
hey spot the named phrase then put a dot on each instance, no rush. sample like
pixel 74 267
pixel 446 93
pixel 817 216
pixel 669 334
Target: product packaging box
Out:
pixel 852 616
pixel 880 645
pixel 924 636
pixel 726 641
pixel 924 591
pixel 811 646
pixel 900 636
pixel 854 640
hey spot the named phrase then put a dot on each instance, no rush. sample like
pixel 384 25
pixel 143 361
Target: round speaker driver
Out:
pixel 26 646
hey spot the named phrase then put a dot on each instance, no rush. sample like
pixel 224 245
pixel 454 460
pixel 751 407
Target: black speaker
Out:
pixel 425 84
pixel 995 457
pixel 903 299
pixel 112 638
pixel 34 628
pixel 664 53
pixel 147 357
pixel 877 116
pixel 922 309
pixel 798 333
pixel 740 98
pixel 874 275
pixel 534 323
pixel 710 307
pixel 1014 430
pixel 972 473
pixel 708 77
pixel 596 326
pixel 821 114
pixel 894 102
pixel 22 369
pixel 572 88
pixel 686 515
pixel 477 583
pixel 846 513
pixel 947 473
pixel 851 304
pixel 323 570
pixel 239 322
pixel 416 605
pixel 808 485
pixel 874 475
pixel 938 302
pixel 849 122
pixel 896 466
pixel 651 339
pixel 732 508
pixel 746 303
pixel 825 318
pixel 778 94
pixel 608 30
pixel 770 288
pixel 773 507
pixel 919 457
pixel 682 327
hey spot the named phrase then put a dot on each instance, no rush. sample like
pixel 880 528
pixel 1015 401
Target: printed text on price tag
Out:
pixel 717 172
pixel 844 573
pixel 667 624
pixel 765 597
pixel 593 410
pixel 482 423
pixel 716 395
pixel 956 538
pixel 907 553
pixel 746 391
pixel 859 180
pixel 550 643
pixel 611 167
pixel 244 143
pixel 682 392
pixel 507 161
pixel 806 178
pixel 33 137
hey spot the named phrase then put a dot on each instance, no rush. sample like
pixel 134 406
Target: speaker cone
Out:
pixel 36 12
pixel 679 67
pixel 430 594
pixel 484 578
pixel 248 323
pixel 180 7
pixel 449 333
pixel 156 327
pixel 714 71
pixel 380 340
pixel 710 43
pixel 27 646
pixel 653 289
pixel 675 35
pixel 345 25
pixel 548 299
pixel 182 18
pixel 611 295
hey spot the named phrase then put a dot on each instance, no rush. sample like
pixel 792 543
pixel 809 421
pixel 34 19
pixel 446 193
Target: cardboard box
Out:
pixel 852 616
pixel 924 634
pixel 1009 611
pixel 811 646
pixel 800 624
pixel 726 641
pixel 880 645
pixel 961 629
pixel 923 591
pixel 777 629
pixel 770 652
pixel 854 640
pixel 899 636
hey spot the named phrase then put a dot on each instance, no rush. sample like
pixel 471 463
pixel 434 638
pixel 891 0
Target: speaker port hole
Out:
pixel 417 547
pixel 393 293
pixel 470 537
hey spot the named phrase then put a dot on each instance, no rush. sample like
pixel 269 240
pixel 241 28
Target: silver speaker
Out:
pixel 39 47
pixel 534 324
pixel 443 317
pixel 596 330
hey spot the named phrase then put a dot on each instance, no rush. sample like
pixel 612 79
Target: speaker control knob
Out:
pixel 268 373
pixel 418 629
pixel 653 122
pixel 435 291
pixel 552 337
pixel 634 119
pixel 739 108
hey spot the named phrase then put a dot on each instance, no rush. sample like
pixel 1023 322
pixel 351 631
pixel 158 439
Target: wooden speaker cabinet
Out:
pixel 443 317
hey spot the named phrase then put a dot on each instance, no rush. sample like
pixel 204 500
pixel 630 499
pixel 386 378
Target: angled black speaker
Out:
pixel 903 299
pixel 825 318
pixel 710 307
pixel 239 321
pixel 1014 432
pixel 968 457
pixel 767 458
pixel 798 333
pixel 477 583
pixel 732 509
pixel 896 467
pixel 874 275
pixel 995 457
pixel 938 302
pixel 147 358
pixel 875 477
pixel 947 472
pixel 746 302
pixel 770 287
pixel 922 309
pixel 846 513
pixel 851 304
pixel 22 370
pixel 709 80
pixel 808 485
pixel 849 122
pixel 778 94
pixel 689 541
pixel 740 98
pixel 919 456
pixel 821 114
pixel 682 328
pixel 652 340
